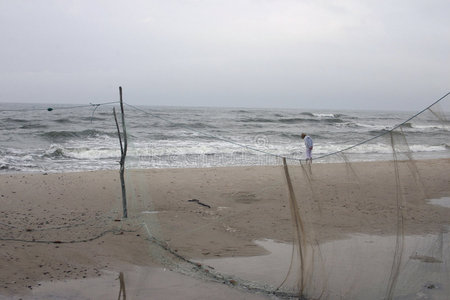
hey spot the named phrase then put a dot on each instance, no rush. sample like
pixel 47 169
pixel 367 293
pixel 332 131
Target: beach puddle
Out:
pixel 140 283
pixel 357 268
pixel 444 201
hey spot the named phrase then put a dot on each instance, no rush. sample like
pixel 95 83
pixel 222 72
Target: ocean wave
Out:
pixel 183 148
pixel 326 121
pixel 348 124
pixel 257 120
pixel 33 126
pixel 427 148
pixel 376 148
pixel 196 125
pixel 292 120
pixel 95 153
pixel 295 120
pixel 11 153
pixel 373 127
pixel 425 128
pixel 240 111
pixel 91 119
pixel 322 115
pixel 64 121
pixel 378 132
pixel 295 136
pixel 163 137
pixel 9 168
pixel 179 137
pixel 64 135
pixel 84 153
pixel 16 161
pixel 409 128
pixel 14 120
pixel 54 152
pixel 73 143
pixel 333 121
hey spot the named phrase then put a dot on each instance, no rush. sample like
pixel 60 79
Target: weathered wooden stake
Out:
pixel 123 152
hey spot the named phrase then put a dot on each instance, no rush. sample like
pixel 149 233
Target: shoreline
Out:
pixel 290 160
pixel 245 204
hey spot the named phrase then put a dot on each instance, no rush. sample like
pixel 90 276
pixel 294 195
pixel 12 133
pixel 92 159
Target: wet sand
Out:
pixel 68 226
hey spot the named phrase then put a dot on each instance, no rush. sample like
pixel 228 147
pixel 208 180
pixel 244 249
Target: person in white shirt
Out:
pixel 309 146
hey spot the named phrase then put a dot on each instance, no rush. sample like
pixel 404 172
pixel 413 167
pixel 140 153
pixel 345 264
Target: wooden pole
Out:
pixel 122 160
pixel 118 131
pixel 123 153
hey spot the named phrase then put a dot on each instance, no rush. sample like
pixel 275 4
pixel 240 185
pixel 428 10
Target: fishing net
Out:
pixel 350 225
pixel 344 227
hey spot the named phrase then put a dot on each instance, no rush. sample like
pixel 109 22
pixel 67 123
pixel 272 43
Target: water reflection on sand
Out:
pixel 444 201
pixel 354 268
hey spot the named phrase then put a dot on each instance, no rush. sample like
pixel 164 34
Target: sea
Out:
pixel 68 138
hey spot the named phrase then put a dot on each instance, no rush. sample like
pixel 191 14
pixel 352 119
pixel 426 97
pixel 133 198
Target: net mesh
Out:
pixel 377 212
pixel 340 228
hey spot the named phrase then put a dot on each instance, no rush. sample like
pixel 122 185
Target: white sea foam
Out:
pixel 426 128
pixel 323 115
pixel 92 154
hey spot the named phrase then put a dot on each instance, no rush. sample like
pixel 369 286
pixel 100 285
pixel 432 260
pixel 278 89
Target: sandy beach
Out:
pixel 69 225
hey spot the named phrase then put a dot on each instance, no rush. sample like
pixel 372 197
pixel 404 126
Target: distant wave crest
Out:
pixel 291 120
pixel 257 120
pixel 196 125
pixel 33 126
pixel 64 135
pixel 63 121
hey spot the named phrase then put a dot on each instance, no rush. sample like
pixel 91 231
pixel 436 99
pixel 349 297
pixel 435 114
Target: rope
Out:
pixel 114 231
pixel 216 276
pixel 96 105
pixel 95 221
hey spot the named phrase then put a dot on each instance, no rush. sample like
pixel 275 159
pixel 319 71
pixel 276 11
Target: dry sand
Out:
pixel 69 226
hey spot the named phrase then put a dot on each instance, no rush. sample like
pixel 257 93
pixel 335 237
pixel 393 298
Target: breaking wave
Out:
pixel 65 135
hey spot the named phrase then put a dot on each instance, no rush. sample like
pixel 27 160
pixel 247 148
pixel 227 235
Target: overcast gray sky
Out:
pixel 342 54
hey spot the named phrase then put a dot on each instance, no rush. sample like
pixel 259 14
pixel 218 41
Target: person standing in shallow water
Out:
pixel 309 146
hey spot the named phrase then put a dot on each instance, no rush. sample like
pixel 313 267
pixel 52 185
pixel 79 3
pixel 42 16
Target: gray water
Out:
pixel 34 139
